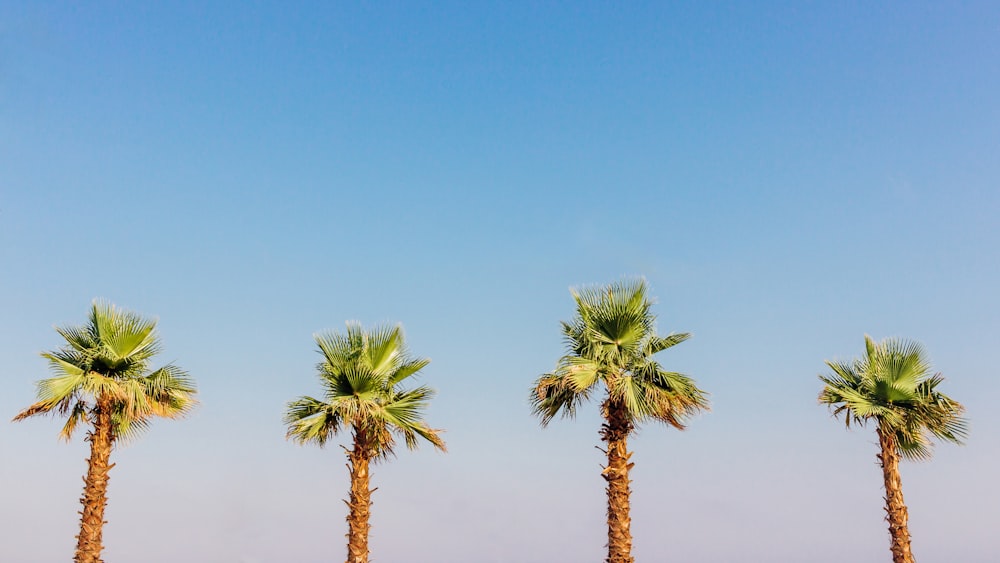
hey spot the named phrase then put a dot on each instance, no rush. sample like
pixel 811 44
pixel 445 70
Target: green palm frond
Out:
pixel 406 407
pixel 408 369
pixel 630 391
pixel 361 373
pixel 656 344
pixel 61 390
pixel 612 340
pixel 311 420
pixel 894 386
pixel 364 382
pixel 674 397
pixel 126 427
pixel 382 349
pixel 555 395
pixel 427 433
pixel 80 339
pixel 404 415
pixel 67 361
pixel 579 374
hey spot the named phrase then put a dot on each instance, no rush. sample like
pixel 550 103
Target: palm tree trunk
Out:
pixel 88 546
pixel 360 501
pixel 615 433
pixel 895 508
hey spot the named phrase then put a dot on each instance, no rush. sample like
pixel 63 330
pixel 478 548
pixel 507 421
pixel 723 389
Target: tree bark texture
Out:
pixel 95 489
pixel 895 508
pixel 360 502
pixel 615 433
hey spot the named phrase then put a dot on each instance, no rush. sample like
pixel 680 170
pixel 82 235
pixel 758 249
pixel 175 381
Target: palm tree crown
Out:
pixel 108 360
pixel 612 341
pixel 361 373
pixel 893 385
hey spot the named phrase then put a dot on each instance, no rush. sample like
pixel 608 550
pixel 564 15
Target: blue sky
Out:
pixel 787 176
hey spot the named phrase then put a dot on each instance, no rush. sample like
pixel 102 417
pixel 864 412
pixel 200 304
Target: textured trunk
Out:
pixel 360 502
pixel 615 433
pixel 895 508
pixel 88 545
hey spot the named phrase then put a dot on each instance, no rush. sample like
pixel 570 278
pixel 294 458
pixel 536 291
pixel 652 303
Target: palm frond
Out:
pixel 311 420
pixel 408 368
pixel 170 392
pixel 127 427
pixel 554 395
pixel 383 348
pixel 363 382
pixel 61 388
pixel 76 414
pixel 66 363
pixel 404 414
pixel 580 374
pixel 123 333
pixel 41 407
pixel 630 392
pixel 429 434
pixel 656 344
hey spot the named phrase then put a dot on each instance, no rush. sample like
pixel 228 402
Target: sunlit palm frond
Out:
pixel 123 335
pixel 404 414
pixel 126 427
pixel 67 362
pixel 629 390
pixel 170 392
pixel 383 349
pixel 579 374
pixel 656 344
pixel 554 395
pixel 406 369
pixel 310 420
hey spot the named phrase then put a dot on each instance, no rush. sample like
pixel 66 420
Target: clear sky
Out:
pixel 787 176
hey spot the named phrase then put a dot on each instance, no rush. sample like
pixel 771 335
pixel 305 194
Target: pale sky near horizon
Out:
pixel 787 176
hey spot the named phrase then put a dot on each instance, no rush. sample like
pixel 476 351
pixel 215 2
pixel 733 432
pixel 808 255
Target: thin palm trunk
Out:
pixel 615 433
pixel 89 546
pixel 360 501
pixel 895 508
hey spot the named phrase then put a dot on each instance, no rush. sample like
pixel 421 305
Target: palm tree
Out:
pixel 361 373
pixel 893 385
pixel 102 378
pixel 611 343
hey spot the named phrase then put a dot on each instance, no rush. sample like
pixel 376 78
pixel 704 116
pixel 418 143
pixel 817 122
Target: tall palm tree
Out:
pixel 893 386
pixel 361 373
pixel 103 379
pixel 610 345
